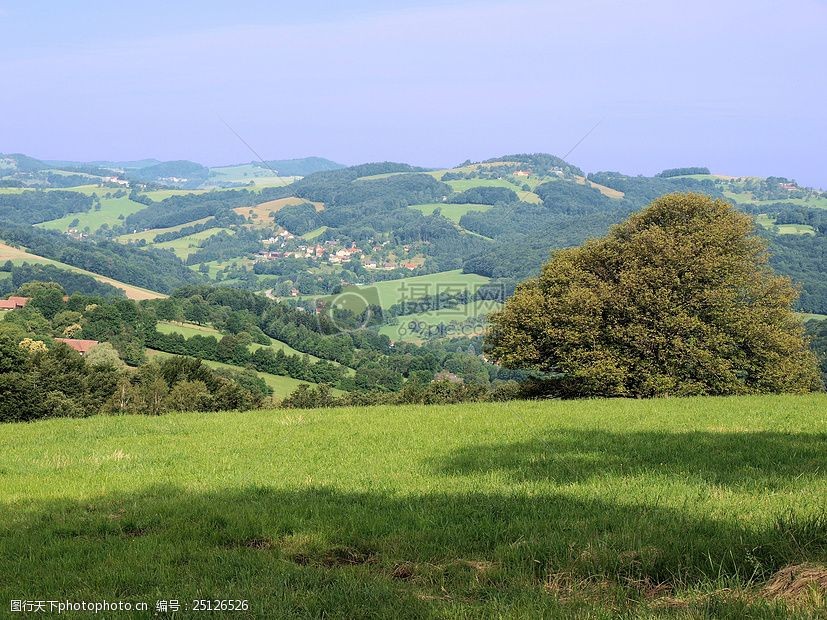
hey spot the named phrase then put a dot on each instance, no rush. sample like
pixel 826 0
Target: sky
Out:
pixel 737 86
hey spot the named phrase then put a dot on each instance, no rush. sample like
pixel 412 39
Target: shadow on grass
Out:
pixel 321 552
pixel 750 459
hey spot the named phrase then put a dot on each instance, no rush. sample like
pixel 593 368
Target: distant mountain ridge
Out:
pixel 136 164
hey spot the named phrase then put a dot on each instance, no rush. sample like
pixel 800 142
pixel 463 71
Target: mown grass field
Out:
pixel 391 292
pixel 315 233
pixel 184 246
pixel 677 507
pixel 795 229
pixel 747 198
pixel 110 213
pixel 452 212
pixel 461 185
pixel 83 189
pixel 282 386
pixel 149 235
pixel 188 330
pixel 216 265
pixel 162 194
pixel 464 320
pixel 18 256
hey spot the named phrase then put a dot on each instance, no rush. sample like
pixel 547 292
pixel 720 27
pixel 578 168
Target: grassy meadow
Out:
pixel 110 213
pixel 149 235
pixel 391 292
pixel 158 195
pixel 683 508
pixel 452 212
pixel 184 246
pixel 462 320
pixel 188 330
pixel 282 386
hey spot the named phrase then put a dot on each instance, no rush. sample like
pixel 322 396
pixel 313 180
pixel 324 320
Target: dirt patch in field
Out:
pixel 337 557
pixel 798 581
pixel 606 191
pixel 260 214
pixel 261 544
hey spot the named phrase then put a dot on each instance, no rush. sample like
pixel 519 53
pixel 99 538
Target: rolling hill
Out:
pixel 17 256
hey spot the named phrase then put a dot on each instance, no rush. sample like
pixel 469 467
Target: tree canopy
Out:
pixel 677 300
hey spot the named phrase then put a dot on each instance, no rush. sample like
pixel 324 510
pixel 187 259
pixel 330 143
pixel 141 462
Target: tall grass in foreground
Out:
pixel 703 507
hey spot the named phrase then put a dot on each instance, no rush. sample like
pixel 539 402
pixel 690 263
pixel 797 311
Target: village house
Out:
pixel 522 173
pixel 13 303
pixel 81 346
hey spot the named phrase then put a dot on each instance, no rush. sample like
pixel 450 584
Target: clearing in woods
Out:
pixel 261 214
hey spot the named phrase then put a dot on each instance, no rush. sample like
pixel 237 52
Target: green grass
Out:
pixel 110 212
pixel 765 221
pixel 216 265
pixel 184 246
pixel 282 386
pixel 601 509
pixel 450 211
pixel 162 194
pixel 188 330
pixel 390 292
pixel 242 172
pixel 466 320
pixel 149 235
pixel 315 233
pixel 83 189
pixel 795 229
pixel 461 185
pixel 747 198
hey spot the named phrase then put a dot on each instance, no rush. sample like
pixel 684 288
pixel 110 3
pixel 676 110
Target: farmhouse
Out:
pixel 13 303
pixel 81 346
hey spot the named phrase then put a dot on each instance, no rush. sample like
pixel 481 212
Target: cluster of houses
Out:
pixel 76 234
pixel 327 251
pixel 334 255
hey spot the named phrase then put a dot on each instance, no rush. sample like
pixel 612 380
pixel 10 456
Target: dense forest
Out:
pixel 33 207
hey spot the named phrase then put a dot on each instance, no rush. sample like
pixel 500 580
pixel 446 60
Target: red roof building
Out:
pixel 12 303
pixel 81 346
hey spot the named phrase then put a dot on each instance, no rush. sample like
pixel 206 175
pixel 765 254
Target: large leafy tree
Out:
pixel 677 300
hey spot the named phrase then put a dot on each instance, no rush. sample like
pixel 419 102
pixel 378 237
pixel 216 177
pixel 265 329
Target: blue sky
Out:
pixel 737 86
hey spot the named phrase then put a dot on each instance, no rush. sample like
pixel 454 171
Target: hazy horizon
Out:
pixel 733 87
